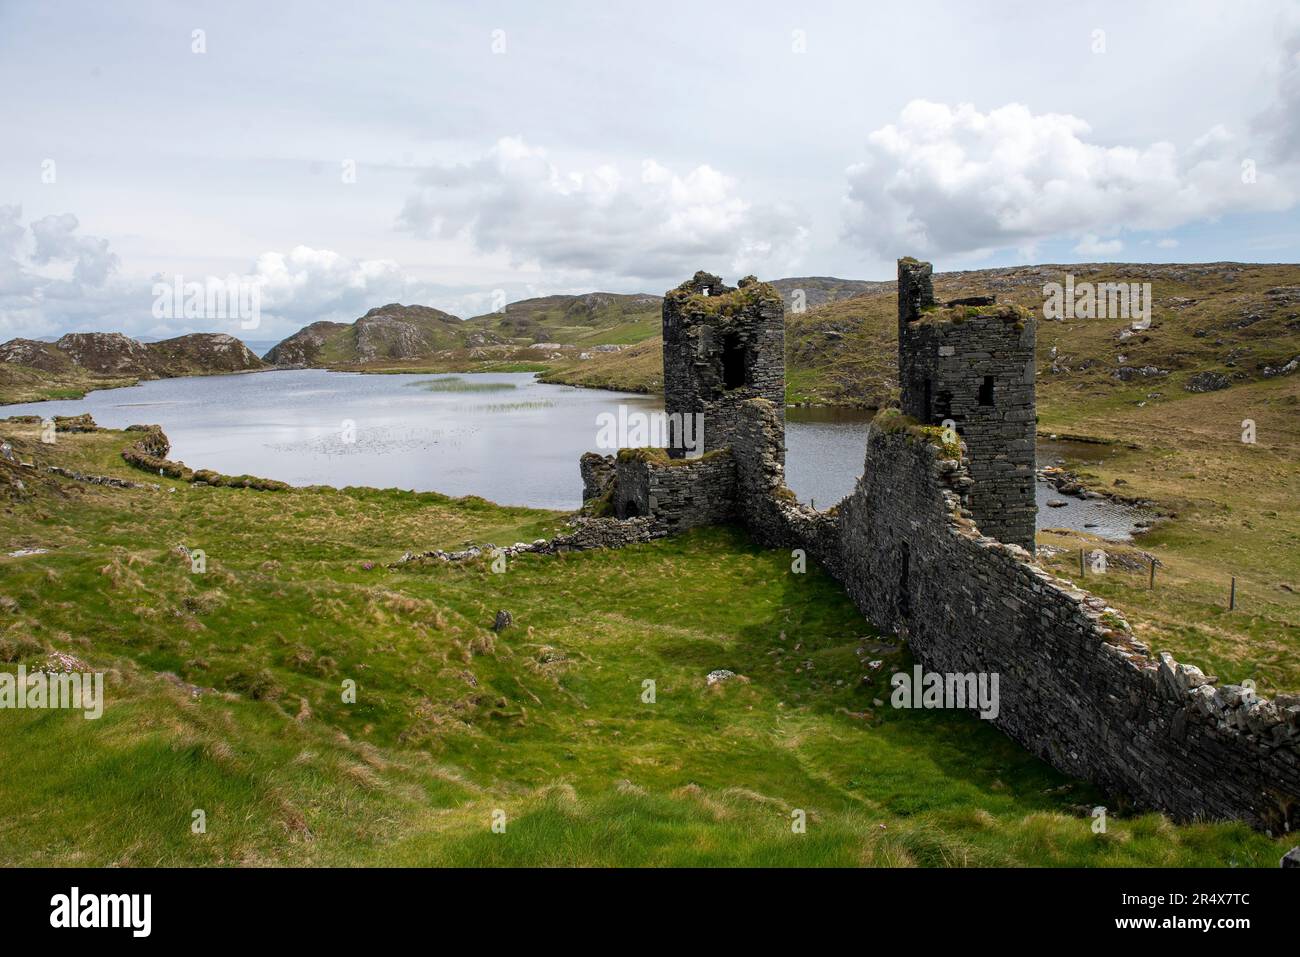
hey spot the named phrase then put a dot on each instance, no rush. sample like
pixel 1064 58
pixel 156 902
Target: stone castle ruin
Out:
pixel 936 544
pixel 971 367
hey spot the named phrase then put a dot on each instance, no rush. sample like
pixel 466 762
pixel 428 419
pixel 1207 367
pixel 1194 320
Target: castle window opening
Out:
pixel 986 391
pixel 733 362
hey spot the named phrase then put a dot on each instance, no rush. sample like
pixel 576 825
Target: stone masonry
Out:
pixel 936 544
pixel 722 346
pixel 970 364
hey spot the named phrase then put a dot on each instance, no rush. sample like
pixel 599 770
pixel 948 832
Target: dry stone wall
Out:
pixel 677 493
pixel 1075 687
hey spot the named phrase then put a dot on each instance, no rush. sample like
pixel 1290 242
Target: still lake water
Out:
pixel 503 436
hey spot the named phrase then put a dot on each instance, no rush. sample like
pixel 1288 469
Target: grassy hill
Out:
pixel 594 318
pixel 19 383
pixel 224 695
pixel 819 290
pixel 1238 321
pixel 638 368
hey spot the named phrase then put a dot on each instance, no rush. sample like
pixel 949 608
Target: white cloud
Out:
pixel 653 225
pixel 1167 243
pixel 56 241
pixel 1092 247
pixel 309 284
pixel 53 280
pixel 1279 123
pixel 953 180
pixel 52 276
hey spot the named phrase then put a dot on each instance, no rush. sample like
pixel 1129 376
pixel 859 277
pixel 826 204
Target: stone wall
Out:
pixel 676 493
pixel 597 472
pixel 935 544
pixel 722 346
pixel 971 363
pixel 1075 687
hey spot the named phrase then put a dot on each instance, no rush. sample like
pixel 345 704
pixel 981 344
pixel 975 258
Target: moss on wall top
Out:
pixel 893 421
pixel 751 293
pixel 652 455
pixel 1006 311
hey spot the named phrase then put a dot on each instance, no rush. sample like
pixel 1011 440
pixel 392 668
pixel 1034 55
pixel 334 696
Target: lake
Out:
pixel 503 436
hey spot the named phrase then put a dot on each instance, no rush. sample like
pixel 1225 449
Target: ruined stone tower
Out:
pixel 1077 689
pixel 722 346
pixel 971 362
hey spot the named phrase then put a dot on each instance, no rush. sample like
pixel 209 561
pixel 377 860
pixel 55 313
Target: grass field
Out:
pixel 225 695
pixel 24 384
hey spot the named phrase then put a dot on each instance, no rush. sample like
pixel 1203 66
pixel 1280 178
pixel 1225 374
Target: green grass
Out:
pixel 592 319
pixel 24 384
pixel 544 722
pixel 456 384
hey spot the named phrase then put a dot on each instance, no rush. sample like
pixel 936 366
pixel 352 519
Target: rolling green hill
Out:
pixel 594 318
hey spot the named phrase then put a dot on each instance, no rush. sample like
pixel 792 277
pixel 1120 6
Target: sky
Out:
pixel 339 156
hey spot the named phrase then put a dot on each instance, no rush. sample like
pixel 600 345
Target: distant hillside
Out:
pixel 594 318
pixel 391 332
pixel 819 290
pixel 81 361
pixel 568 327
pixel 1213 325
pixel 606 318
pixel 638 368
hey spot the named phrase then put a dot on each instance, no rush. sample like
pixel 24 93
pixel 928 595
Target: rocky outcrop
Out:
pixel 108 353
pixel 45 356
pixel 386 333
pixel 1207 382
pixel 401 332
pixel 202 352
pixel 304 347
pixel 114 354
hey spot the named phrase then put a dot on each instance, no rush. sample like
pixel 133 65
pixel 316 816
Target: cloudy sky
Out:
pixel 345 155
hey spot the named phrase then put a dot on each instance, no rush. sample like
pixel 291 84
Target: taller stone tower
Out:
pixel 723 345
pixel 971 362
